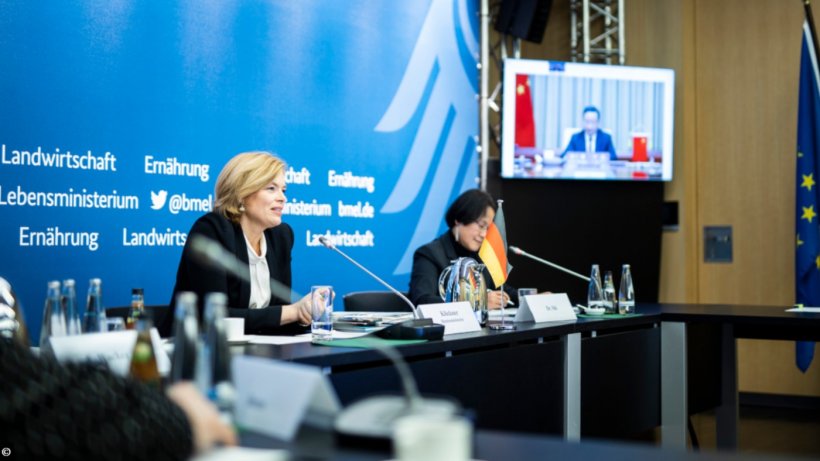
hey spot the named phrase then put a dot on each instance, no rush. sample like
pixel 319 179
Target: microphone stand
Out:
pixel 371 419
pixel 329 245
pixel 521 252
pixel 503 325
pixel 418 328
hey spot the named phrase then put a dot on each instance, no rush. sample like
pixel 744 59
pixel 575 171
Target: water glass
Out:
pixel 321 304
pixel 432 438
pixel 114 324
pixel 525 292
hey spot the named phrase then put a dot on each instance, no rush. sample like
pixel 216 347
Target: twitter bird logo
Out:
pixel 158 199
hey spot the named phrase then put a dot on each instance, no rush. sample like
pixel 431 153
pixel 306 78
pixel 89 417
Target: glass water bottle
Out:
pixel 610 303
pixel 595 294
pixel 94 307
pixel 626 295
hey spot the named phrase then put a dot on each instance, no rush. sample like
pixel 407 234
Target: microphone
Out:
pixel 329 245
pixel 418 328
pixel 372 419
pixel 521 252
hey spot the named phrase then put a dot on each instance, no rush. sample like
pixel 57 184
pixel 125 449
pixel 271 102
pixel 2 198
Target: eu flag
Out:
pixel 807 256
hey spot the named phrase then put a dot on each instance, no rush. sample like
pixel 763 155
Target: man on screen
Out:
pixel 591 138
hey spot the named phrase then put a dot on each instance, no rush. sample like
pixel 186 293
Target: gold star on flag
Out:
pixel 799 242
pixel 808 181
pixel 520 89
pixel 817 261
pixel 808 213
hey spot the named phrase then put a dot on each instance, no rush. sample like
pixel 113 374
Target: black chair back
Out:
pixel 375 301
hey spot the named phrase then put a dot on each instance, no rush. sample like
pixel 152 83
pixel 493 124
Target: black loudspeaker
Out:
pixel 525 19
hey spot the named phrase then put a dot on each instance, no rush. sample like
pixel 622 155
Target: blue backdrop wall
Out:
pixel 118 115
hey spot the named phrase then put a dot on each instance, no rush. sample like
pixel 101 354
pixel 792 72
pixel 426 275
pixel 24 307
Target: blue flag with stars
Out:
pixel 807 256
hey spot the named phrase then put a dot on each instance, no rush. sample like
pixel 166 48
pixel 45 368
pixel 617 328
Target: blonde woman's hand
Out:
pixel 299 312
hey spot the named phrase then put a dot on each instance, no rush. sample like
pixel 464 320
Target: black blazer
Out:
pixel 429 262
pixel 194 275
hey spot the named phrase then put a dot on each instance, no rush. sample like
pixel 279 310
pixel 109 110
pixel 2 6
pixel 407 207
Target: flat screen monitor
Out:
pixel 564 120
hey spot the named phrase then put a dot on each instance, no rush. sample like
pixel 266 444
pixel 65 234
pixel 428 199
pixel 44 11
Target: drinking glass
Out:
pixel 114 324
pixel 321 303
pixel 525 292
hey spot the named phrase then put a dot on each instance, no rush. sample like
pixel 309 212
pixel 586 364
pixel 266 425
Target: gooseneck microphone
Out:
pixel 418 328
pixel 328 244
pixel 521 252
pixel 371 419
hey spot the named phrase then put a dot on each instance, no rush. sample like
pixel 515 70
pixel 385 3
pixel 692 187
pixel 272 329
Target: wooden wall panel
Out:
pixel 736 65
pixel 747 63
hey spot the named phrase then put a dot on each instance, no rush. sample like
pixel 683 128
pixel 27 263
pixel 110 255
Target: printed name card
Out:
pixel 545 308
pixel 274 398
pixel 456 317
pixel 114 348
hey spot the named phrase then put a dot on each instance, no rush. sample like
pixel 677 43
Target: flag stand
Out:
pixel 503 325
pixel 503 232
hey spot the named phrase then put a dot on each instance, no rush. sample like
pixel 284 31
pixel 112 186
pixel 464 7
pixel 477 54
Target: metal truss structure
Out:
pixel 599 36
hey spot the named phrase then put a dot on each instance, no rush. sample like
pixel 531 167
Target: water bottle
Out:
pixel 216 336
pixel 595 294
pixel 143 366
pixel 626 295
pixel 186 336
pixel 93 307
pixel 137 307
pixel 220 389
pixel 70 310
pixel 610 303
pixel 53 320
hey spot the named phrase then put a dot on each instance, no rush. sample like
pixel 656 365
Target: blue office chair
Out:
pixel 375 301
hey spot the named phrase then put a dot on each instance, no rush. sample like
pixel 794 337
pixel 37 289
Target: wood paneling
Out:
pixel 736 63
pixel 746 67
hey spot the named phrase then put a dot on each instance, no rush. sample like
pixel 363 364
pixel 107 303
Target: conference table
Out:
pixel 499 446
pixel 595 377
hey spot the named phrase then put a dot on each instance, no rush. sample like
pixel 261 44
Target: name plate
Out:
pixel 274 398
pixel 456 317
pixel 545 308
pixel 113 348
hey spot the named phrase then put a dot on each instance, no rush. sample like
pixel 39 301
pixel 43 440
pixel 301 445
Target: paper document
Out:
pixel 813 310
pixel 336 334
pixel 277 340
pixel 496 313
pixel 243 453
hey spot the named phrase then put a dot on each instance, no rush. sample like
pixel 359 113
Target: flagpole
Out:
pixel 804 351
pixel 812 27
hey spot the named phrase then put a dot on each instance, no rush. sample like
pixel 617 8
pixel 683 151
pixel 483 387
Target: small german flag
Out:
pixel 493 251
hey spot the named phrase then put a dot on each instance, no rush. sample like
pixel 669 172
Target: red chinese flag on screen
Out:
pixel 524 121
pixel 493 251
pixel 639 148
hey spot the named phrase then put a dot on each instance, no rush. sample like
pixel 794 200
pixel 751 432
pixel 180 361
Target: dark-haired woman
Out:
pixel 468 219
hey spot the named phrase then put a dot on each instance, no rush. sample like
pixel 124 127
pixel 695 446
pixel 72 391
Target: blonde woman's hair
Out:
pixel 243 175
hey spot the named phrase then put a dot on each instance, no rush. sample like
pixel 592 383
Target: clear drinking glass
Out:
pixel 114 324
pixel 321 303
pixel 526 292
